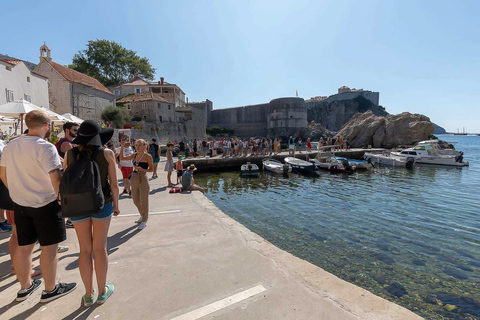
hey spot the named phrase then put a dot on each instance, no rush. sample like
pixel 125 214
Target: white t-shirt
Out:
pixel 28 160
pixel 126 152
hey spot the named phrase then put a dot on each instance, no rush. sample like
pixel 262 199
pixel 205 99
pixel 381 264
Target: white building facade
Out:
pixel 17 81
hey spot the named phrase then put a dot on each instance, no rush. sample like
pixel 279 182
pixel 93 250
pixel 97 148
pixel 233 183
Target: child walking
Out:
pixel 179 168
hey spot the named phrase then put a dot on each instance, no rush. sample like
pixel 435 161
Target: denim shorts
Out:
pixel 106 213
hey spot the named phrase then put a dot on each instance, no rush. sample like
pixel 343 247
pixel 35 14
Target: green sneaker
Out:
pixel 103 297
pixel 89 301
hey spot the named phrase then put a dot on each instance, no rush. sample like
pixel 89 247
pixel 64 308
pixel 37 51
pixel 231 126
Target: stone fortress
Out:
pixel 279 117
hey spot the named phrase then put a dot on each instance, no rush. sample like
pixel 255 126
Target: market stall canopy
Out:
pixel 18 109
pixel 72 118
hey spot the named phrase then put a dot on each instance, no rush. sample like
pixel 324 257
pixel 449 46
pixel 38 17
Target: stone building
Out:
pixel 345 93
pixel 71 91
pixel 17 81
pixel 279 117
pixel 167 90
pixel 157 116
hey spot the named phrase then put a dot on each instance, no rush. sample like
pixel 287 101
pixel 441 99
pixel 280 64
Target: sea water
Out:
pixel 410 236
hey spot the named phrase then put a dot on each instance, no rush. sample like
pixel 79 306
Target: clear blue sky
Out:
pixel 422 56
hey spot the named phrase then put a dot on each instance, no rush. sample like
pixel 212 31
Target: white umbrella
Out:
pixel 72 118
pixel 18 108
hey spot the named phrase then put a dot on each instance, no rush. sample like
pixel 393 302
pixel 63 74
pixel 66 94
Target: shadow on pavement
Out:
pixel 115 241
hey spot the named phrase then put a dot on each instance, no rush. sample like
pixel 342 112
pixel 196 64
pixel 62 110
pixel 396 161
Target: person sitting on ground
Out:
pixel 188 183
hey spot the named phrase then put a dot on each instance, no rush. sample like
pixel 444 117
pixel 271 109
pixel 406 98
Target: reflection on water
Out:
pixel 410 236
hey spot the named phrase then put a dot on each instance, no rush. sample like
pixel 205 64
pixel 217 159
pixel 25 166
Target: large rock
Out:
pixel 366 129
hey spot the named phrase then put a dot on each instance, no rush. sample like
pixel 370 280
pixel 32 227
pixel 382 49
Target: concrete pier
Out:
pixel 193 261
pixel 217 163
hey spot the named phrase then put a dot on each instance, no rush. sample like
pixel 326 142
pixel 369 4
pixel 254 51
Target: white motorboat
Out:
pixel 359 164
pixel 276 166
pixel 300 165
pixel 428 154
pixel 389 159
pixel 249 169
pixel 441 147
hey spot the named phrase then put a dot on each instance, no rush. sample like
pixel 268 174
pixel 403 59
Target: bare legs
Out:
pixel 93 240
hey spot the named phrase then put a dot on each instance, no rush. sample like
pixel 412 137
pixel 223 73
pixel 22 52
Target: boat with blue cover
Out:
pixel 249 169
pixel 300 165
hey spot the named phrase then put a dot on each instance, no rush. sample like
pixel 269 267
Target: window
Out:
pixel 166 91
pixel 160 117
pixel 28 79
pixel 138 90
pixel 159 105
pixel 116 92
pixel 128 107
pixel 169 107
pixel 28 98
pixel 144 105
pixel 10 95
pixel 8 68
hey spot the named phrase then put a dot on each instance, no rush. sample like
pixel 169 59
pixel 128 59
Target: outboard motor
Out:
pixel 249 167
pixel 459 158
pixel 346 165
pixel 286 167
pixel 410 163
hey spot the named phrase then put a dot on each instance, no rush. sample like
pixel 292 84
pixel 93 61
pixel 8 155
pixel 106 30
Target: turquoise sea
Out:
pixel 410 236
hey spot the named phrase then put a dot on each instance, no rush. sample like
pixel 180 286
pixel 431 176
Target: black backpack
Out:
pixel 81 186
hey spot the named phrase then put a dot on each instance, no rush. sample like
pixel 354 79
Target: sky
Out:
pixel 422 56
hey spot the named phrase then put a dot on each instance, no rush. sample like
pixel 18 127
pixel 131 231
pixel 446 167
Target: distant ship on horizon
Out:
pixel 461 133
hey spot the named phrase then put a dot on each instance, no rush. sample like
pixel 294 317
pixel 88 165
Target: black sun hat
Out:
pixel 90 133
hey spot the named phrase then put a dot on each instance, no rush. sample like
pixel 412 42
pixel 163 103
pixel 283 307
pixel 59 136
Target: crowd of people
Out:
pixel 242 147
pixel 31 172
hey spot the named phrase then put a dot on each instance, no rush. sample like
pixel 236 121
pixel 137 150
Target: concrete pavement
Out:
pixel 192 261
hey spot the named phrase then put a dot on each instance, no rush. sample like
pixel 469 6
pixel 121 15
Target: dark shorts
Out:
pixel 179 173
pixel 156 160
pixel 44 224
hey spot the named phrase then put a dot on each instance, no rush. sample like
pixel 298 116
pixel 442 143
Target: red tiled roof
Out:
pixel 7 61
pixel 144 96
pixel 136 82
pixel 13 61
pixel 78 77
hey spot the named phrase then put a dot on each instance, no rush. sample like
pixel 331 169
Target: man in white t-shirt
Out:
pixel 30 168
pixel 126 166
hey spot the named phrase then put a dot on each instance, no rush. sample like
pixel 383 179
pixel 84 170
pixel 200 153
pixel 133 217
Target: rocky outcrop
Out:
pixel 334 115
pixel 438 129
pixel 366 129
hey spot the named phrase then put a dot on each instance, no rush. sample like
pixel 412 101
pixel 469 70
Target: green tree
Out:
pixel 110 63
pixel 115 115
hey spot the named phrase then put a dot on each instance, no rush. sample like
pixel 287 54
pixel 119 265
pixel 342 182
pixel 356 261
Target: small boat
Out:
pixel 276 166
pixel 300 165
pixel 249 169
pixel 359 164
pixel 389 160
pixel 329 162
pixel 429 154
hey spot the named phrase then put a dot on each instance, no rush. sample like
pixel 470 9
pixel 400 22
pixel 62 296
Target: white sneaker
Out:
pixel 61 249
pixel 142 225
pixel 139 220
